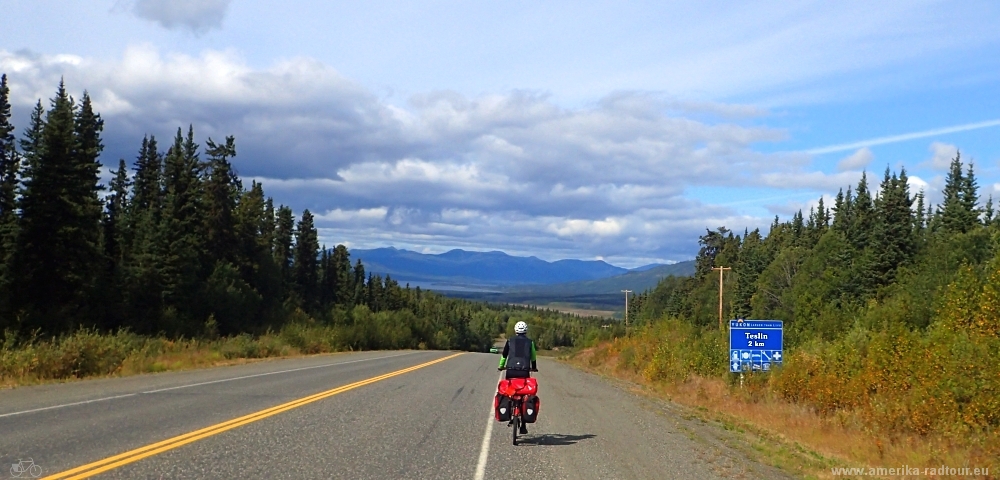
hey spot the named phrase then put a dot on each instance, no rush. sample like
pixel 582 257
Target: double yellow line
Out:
pixel 91 469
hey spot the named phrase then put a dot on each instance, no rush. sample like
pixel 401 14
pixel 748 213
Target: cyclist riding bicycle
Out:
pixel 519 356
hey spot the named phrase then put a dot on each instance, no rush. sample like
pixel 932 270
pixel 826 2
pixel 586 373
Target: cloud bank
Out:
pixel 511 171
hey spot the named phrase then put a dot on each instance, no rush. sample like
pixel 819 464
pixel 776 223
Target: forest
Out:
pixel 177 247
pixel 891 311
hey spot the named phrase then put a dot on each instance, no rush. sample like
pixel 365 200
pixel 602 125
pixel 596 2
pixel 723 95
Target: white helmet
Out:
pixel 520 328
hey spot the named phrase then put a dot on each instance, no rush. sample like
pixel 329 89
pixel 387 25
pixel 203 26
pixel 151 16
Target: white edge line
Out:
pixel 67 405
pixel 484 450
pixel 194 385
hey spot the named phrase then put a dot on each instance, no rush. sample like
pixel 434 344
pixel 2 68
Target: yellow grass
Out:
pixel 810 444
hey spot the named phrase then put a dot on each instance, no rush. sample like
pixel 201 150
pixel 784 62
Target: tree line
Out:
pixel 178 245
pixel 819 270
pixel 891 307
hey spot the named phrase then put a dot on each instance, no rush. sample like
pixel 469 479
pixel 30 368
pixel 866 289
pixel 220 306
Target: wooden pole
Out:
pixel 721 270
pixel 626 310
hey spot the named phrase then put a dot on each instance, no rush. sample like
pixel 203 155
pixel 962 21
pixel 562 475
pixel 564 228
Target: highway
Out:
pixel 367 415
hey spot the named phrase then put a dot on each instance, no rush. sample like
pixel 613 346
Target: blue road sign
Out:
pixel 755 345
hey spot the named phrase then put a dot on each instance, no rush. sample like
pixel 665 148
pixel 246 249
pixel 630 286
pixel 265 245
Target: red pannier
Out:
pixel 517 386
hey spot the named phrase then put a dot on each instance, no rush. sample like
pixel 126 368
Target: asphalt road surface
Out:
pixel 378 415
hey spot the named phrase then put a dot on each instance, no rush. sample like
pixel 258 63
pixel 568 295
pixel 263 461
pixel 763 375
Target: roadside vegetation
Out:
pixel 892 328
pixel 177 263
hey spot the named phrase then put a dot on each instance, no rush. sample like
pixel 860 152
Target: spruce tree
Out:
pixel 892 242
pixel 920 216
pixel 358 282
pixel 181 233
pixel 988 212
pixel 58 249
pixel 10 163
pixel 862 215
pixel 147 194
pixel 970 199
pixel 958 212
pixel 114 217
pixel 222 188
pixel 341 264
pixel 305 267
pixel 284 229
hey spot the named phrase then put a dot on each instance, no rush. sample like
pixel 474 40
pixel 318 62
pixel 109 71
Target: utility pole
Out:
pixel 721 270
pixel 626 310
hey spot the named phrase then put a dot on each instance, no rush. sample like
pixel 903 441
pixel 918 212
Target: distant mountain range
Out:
pixel 637 280
pixel 480 268
pixel 500 272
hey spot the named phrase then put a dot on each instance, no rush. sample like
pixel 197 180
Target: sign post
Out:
pixel 755 345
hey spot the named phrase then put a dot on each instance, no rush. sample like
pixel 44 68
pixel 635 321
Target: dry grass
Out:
pixel 88 354
pixel 790 436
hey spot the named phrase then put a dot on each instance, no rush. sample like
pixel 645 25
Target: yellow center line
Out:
pixel 91 469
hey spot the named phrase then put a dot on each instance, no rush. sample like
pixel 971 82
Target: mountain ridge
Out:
pixel 492 268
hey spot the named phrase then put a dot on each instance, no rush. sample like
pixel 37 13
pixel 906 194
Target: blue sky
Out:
pixel 606 130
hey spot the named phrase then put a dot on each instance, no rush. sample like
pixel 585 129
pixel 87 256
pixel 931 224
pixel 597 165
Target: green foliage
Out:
pixel 892 314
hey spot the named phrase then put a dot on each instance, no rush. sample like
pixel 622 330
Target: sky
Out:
pixel 592 130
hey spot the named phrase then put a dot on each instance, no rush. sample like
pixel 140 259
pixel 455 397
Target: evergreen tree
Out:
pixel 843 215
pixel 284 229
pixel 327 278
pixel 9 162
pixel 798 226
pixel 9 179
pixel 988 212
pixel 920 217
pixel 114 225
pixel 31 143
pixel 114 228
pixel 58 243
pixel 341 264
pixel 181 233
pixel 970 199
pixel 222 187
pixel 305 269
pixel 862 215
pixel 358 282
pixel 958 210
pixel 892 242
pixel 752 261
pixel 147 194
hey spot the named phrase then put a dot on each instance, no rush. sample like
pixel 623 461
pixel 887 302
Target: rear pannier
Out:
pixel 501 408
pixel 529 413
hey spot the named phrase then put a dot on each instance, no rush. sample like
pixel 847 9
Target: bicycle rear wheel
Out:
pixel 517 425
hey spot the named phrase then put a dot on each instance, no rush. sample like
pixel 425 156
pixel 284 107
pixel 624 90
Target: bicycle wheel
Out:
pixel 35 471
pixel 517 425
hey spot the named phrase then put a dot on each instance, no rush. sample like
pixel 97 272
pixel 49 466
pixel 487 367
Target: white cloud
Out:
pixel 941 155
pixel 511 170
pixel 363 214
pixel 196 16
pixel 575 228
pixel 857 160
pixel 917 184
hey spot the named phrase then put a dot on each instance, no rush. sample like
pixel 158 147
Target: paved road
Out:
pixel 368 417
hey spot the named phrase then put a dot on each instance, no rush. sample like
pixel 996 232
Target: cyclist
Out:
pixel 519 357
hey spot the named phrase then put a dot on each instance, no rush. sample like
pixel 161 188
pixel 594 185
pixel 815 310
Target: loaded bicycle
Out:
pixel 516 403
